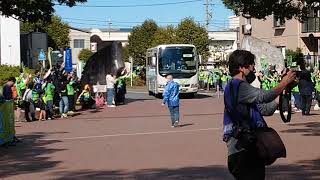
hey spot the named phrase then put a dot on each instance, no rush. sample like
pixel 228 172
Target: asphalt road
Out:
pixel 136 141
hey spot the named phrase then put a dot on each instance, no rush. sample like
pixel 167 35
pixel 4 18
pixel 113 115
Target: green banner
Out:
pixel 7 130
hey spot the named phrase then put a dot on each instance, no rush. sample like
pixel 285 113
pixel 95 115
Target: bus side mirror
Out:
pixel 153 61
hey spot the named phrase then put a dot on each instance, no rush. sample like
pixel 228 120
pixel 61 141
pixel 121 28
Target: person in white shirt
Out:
pixel 111 80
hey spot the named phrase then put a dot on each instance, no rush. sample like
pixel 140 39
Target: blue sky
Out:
pixel 125 17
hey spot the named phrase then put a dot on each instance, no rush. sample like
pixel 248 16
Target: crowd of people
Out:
pixel 55 93
pixel 308 88
pixel 43 92
pixel 214 78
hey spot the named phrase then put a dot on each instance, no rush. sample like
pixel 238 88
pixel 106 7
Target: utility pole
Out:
pixel 208 13
pixel 109 26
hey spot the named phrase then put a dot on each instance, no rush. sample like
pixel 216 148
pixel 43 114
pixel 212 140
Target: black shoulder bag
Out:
pixel 266 142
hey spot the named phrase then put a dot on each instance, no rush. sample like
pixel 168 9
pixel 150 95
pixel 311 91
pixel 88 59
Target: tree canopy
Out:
pixel 141 39
pixel 188 32
pixel 150 35
pixel 85 55
pixel 284 9
pixel 33 10
pixel 58 31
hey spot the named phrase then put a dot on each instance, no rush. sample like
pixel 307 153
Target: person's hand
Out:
pixel 289 78
pixel 163 104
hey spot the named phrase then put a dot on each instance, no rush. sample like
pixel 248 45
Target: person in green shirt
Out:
pixel 317 89
pixel 297 98
pixel 120 86
pixel 224 80
pixel 71 94
pixel 49 89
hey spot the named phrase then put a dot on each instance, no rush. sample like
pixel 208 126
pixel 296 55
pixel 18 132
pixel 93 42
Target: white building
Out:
pixel 9 41
pixel 221 44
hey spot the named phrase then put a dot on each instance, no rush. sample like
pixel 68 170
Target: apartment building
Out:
pixel 289 34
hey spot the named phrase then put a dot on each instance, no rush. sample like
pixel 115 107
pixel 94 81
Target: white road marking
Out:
pixel 129 134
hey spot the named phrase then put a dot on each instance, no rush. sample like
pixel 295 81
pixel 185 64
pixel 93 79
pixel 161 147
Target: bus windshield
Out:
pixel 178 61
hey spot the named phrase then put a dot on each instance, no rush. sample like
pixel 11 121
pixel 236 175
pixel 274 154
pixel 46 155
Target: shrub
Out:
pixel 7 71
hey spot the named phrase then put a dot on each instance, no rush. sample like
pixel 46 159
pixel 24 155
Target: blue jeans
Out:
pixel 50 108
pixel 63 105
pixel 110 96
pixel 297 100
pixel 174 113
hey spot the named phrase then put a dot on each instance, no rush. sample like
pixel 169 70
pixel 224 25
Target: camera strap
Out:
pixel 285 101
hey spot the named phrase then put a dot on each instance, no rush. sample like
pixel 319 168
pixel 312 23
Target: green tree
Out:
pixel 140 40
pixel 188 32
pixel 165 35
pixel 125 54
pixel 297 56
pixel 33 10
pixel 58 31
pixel 85 55
pixel 284 9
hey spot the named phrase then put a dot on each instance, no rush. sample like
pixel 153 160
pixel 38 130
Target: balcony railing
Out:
pixel 311 25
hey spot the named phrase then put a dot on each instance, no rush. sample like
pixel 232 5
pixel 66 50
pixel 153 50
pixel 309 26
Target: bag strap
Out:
pixel 234 102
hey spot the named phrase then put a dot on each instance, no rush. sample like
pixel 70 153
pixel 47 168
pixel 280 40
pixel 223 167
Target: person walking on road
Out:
pixel 171 98
pixel 306 88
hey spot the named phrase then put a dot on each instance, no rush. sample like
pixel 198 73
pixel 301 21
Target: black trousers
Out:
pixel 306 101
pixel 71 102
pixel 318 97
pixel 245 165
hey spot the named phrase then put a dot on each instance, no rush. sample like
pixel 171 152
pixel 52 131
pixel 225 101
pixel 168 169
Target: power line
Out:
pixel 132 5
pixel 126 22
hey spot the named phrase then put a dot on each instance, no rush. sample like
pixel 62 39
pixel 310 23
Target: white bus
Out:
pixel 179 60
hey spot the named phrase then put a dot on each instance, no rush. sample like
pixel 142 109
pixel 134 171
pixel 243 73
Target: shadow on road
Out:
pixel 30 156
pixel 131 100
pixel 306 129
pixel 102 118
pixel 306 170
pixel 188 173
pixel 185 125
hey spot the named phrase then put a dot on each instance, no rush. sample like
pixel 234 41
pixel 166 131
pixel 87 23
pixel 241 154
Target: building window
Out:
pixel 278 22
pixel 78 43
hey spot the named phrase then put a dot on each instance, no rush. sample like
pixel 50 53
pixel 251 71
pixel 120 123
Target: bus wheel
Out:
pixel 158 95
pixel 150 93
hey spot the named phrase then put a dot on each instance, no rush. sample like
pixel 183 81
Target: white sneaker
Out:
pixel 316 107
pixel 285 113
pixel 111 106
pixel 298 110
pixel 176 124
pixel 277 112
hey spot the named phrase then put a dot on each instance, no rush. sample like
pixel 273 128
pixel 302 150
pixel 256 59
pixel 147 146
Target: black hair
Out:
pixel 239 59
pixel 13 79
pixel 30 85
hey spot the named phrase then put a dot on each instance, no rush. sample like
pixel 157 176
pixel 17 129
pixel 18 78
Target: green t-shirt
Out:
pixel 224 78
pixel 295 89
pixel 70 89
pixel 49 91
pixel 317 85
pixel 265 84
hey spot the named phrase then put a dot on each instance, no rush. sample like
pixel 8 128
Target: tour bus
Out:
pixel 179 60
